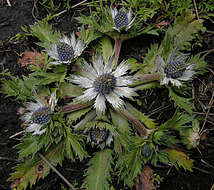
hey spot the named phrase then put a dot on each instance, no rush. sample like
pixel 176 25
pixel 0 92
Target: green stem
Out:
pixel 117 47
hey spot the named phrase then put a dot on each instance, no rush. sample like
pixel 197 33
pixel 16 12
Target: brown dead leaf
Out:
pixel 145 182
pixel 30 58
pixel 15 183
pixel 40 168
pixel 163 23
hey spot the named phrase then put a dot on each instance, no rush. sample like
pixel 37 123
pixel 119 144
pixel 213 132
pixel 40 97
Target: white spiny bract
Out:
pixel 66 49
pixel 103 83
pixel 38 114
pixel 175 69
pixel 122 19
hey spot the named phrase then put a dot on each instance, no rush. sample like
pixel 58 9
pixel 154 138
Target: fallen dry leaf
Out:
pixel 163 23
pixel 15 183
pixel 40 168
pixel 145 182
pixel 30 58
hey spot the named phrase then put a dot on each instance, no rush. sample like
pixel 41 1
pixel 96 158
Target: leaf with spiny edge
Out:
pixel 184 103
pixel 177 122
pixel 107 48
pixel 27 172
pixel 29 145
pixel 129 166
pixel 73 145
pixel 123 129
pixel 74 116
pixel 45 33
pixel 98 173
pixel 179 159
pixel 141 117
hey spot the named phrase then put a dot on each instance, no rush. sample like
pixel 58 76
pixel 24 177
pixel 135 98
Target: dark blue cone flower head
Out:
pixel 65 52
pixel 41 116
pixel 122 19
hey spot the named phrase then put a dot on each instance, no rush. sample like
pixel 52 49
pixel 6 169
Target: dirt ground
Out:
pixel 24 12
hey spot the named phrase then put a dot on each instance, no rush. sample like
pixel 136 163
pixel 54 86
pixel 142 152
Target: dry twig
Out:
pixel 57 172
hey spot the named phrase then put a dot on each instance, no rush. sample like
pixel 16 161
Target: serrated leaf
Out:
pixel 74 116
pixel 45 33
pixel 129 165
pixel 107 48
pixel 69 90
pixel 26 172
pixel 98 173
pixel 140 116
pixel 73 146
pixel 28 146
pixel 123 129
pixel 180 159
pixel 177 122
pixel 184 103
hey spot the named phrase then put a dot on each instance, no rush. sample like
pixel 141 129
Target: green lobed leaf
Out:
pixel 73 146
pixel 74 116
pixel 26 172
pixel 98 173
pixel 182 102
pixel 180 159
pixel 129 165
pixel 107 48
pixel 141 117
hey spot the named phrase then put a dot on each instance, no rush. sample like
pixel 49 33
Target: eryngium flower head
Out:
pixel 99 136
pixel 102 83
pixel 66 49
pixel 175 70
pixel 38 114
pixel 122 19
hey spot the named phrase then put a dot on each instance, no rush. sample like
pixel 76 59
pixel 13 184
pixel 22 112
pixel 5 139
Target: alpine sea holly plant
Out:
pixel 73 102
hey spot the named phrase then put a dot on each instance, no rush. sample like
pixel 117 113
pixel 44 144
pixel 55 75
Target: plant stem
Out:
pixel 74 107
pixel 117 47
pixel 149 78
pixel 139 126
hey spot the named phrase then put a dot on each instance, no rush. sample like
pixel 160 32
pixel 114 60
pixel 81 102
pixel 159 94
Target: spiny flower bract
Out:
pixel 175 69
pixel 66 49
pixel 38 114
pixel 122 19
pixel 103 83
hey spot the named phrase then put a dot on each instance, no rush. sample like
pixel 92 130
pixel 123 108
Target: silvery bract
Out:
pixel 102 83
pixel 122 19
pixel 174 70
pixel 66 49
pixel 38 114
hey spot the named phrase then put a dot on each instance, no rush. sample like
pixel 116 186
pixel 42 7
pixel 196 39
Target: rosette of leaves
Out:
pixel 136 139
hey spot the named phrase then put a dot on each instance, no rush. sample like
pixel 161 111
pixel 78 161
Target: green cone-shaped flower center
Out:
pixel 175 69
pixel 121 19
pixel 41 116
pixel 65 52
pixel 98 135
pixel 105 83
